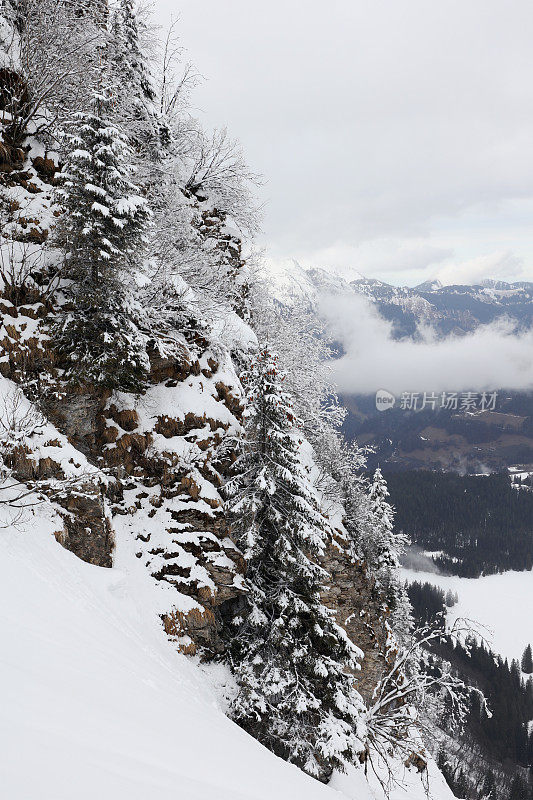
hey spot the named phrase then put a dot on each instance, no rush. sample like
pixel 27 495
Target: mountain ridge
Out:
pixel 453 309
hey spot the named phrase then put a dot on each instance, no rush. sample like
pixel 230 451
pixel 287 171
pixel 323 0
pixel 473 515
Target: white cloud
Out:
pixel 382 257
pixel 502 266
pixel 491 358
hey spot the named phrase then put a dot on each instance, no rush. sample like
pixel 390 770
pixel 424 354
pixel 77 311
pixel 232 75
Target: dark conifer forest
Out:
pixel 497 723
pixel 475 524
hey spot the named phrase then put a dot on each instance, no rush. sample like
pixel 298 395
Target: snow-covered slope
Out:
pixel 499 603
pixel 96 703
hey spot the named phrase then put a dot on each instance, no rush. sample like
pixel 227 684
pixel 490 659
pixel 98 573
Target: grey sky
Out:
pixel 396 138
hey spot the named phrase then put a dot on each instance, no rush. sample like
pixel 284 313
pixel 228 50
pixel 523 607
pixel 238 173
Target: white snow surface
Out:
pixel 500 603
pixel 97 703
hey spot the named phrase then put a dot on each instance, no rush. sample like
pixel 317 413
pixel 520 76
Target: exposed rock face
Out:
pixel 173 460
pixel 88 530
pixel 76 415
pixel 351 593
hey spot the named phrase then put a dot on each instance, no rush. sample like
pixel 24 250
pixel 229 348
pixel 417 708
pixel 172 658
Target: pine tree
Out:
pixel 128 50
pixel 134 89
pixel 289 656
pixel 385 546
pixel 527 661
pixel 102 234
pixel 383 521
pixel 451 598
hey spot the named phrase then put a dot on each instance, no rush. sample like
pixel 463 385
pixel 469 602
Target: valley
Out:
pixel 499 604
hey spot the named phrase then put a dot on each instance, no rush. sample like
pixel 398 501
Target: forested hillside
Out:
pixel 161 418
pixel 458 440
pixel 473 525
pixel 493 754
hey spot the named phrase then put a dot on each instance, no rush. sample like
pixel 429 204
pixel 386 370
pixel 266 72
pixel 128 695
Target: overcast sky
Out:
pixel 396 138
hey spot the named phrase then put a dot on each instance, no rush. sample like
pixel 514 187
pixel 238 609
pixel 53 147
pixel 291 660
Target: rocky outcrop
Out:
pixel 88 531
pixel 165 455
pixel 173 460
pixel 77 414
pixel 351 594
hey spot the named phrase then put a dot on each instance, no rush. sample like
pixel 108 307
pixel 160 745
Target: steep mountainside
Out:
pixel 232 573
pixel 109 467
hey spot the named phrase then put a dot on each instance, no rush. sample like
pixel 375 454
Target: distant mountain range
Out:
pixel 456 309
pixel 450 441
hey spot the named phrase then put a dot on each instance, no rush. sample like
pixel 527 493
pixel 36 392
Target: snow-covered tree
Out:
pixel 130 71
pixel 527 661
pixel 451 598
pixel 383 520
pixel 218 172
pixel 414 691
pixel 106 218
pixel 52 64
pixel 134 66
pixel 102 232
pixel 305 353
pixel 368 519
pixel 291 660
pixel 382 544
pixel 20 422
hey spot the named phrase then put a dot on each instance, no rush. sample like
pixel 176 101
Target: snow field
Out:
pixel 502 604
pixel 96 703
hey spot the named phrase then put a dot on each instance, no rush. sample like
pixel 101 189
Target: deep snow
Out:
pixel 97 704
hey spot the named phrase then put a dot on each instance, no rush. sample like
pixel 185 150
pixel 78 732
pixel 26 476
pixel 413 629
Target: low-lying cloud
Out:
pixel 491 358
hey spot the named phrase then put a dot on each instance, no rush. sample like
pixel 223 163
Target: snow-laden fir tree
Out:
pixel 102 234
pixel 291 660
pixel 384 546
pixel 527 661
pixel 368 519
pixel 129 70
pixel 125 28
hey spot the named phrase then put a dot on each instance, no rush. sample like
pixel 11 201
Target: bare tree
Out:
pixel 218 171
pixel 20 420
pixel 54 54
pixel 176 78
pixel 305 349
pixel 26 264
pixel 415 689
